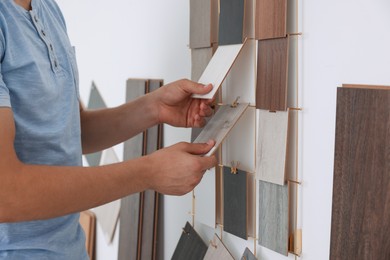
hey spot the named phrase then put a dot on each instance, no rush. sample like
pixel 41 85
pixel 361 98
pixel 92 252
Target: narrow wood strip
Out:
pixel 383 87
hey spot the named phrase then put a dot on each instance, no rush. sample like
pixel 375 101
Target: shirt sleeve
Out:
pixel 4 91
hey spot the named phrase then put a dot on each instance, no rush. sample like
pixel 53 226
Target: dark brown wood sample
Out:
pixel 231 19
pixel 235 202
pixel 130 221
pixel 272 74
pixel 190 246
pixel 361 184
pixel 271 19
pixel 203 23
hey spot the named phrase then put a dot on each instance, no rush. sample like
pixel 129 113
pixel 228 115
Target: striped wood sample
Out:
pixel 235 202
pixel 203 23
pixel 220 125
pixel 248 255
pixel 231 19
pixel 271 19
pixel 217 250
pixel 273 217
pixel 272 74
pixel 361 184
pixel 130 205
pixel 95 102
pixel 190 245
pixel 272 146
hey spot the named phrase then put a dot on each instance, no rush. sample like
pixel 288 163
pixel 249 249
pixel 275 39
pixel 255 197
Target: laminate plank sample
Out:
pixel 220 124
pixel 361 184
pixel 272 146
pixel 199 60
pixel 249 23
pixel 272 74
pixel 190 245
pixel 248 255
pixel 271 19
pixel 218 67
pixel 231 22
pixel 130 221
pixel 235 202
pixel 107 215
pixel 203 23
pixel 273 217
pixel 95 102
pixel 205 194
pixel 217 250
pixel 88 223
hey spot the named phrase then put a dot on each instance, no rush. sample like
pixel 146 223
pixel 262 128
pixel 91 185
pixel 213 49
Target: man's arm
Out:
pixel 31 192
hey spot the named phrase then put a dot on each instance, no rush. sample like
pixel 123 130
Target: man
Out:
pixel 44 131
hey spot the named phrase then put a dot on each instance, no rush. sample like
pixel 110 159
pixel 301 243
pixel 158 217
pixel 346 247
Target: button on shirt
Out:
pixel 39 82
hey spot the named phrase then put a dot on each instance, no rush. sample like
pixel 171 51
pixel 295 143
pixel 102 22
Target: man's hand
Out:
pixel 176 107
pixel 176 170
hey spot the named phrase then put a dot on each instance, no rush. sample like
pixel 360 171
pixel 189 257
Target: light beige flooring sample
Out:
pixel 199 60
pixel 107 215
pixel 220 125
pixel 218 68
pixel 272 146
pixel 217 250
pixel 205 198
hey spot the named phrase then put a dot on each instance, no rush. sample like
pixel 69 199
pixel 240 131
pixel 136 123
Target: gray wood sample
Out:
pixel 272 74
pixel 235 202
pixel 273 217
pixel 199 60
pixel 231 19
pixel 361 185
pixel 95 102
pixel 220 124
pixel 271 19
pixel 203 23
pixel 217 250
pixel 130 205
pixel 248 255
pixel 190 245
pixel 272 146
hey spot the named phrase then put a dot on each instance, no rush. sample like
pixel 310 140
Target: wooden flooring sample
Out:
pixel 220 124
pixel 248 255
pixel 273 217
pixel 271 19
pixel 217 250
pixel 199 60
pixel 190 246
pixel 361 184
pixel 203 23
pixel 231 19
pixel 205 193
pixel 88 223
pixel 272 74
pixel 235 202
pixel 272 146
pixel 218 68
pixel 95 102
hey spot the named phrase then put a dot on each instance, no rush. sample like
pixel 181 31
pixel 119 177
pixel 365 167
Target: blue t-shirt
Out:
pixel 39 81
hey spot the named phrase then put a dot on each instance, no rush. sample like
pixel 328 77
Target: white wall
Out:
pixel 343 42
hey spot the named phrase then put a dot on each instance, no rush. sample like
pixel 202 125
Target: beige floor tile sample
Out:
pixel 217 250
pixel 272 146
pixel 200 58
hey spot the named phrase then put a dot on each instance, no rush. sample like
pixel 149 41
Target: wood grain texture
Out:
pixel 361 185
pixel 217 250
pixel 273 217
pixel 231 22
pixel 95 102
pixel 199 60
pixel 203 23
pixel 235 202
pixel 248 255
pixel 271 19
pixel 130 205
pixel 190 245
pixel 249 23
pixel 272 146
pixel 272 74
pixel 220 125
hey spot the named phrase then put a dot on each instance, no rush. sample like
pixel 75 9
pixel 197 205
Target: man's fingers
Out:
pixel 208 162
pixel 200 148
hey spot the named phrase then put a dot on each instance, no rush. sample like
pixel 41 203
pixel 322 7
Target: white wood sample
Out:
pixel 220 125
pixel 217 250
pixel 107 215
pixel 205 199
pixel 218 67
pixel 272 146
